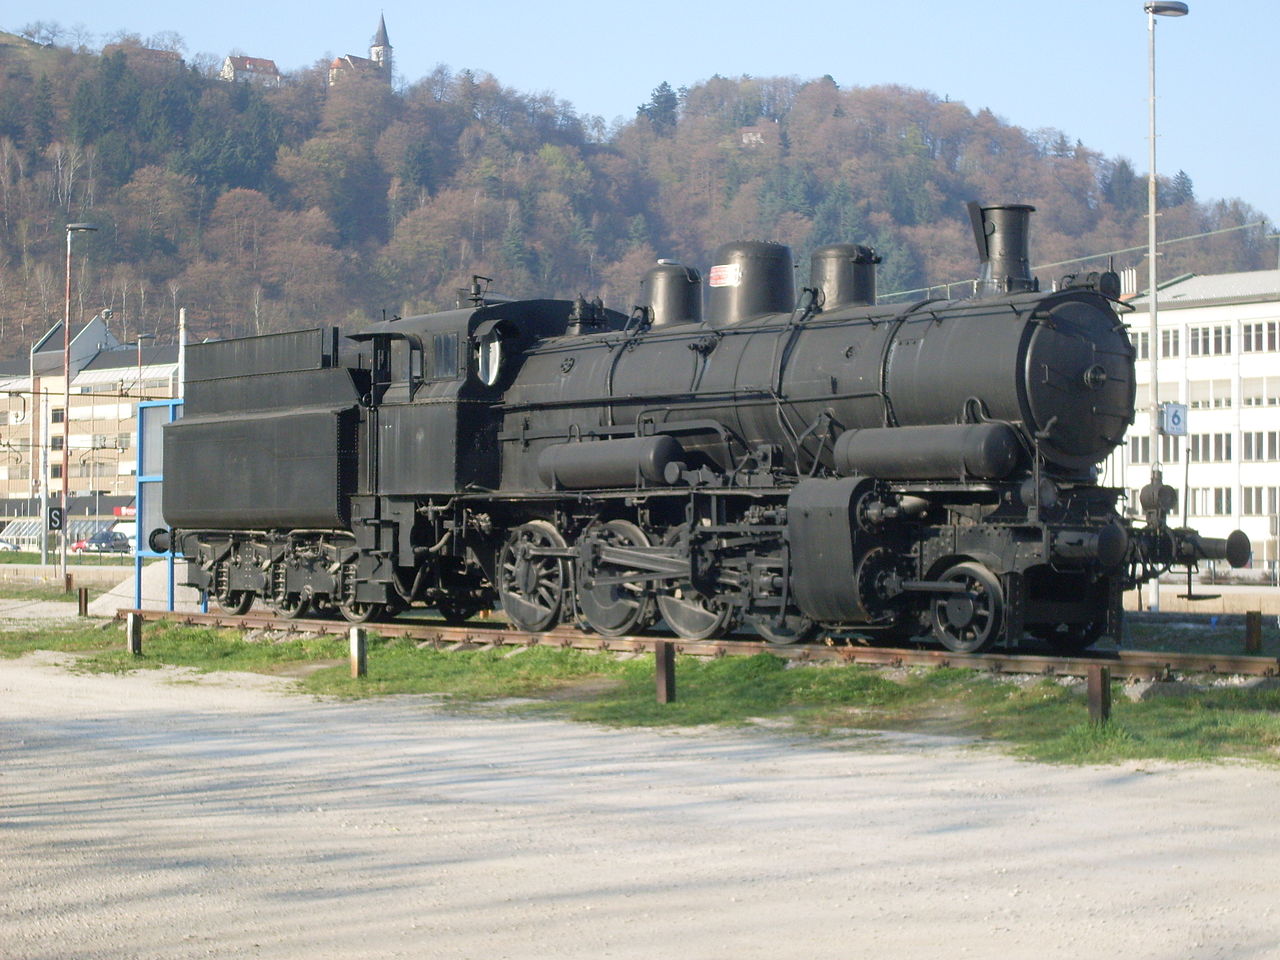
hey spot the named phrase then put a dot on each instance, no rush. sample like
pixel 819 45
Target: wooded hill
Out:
pixel 271 209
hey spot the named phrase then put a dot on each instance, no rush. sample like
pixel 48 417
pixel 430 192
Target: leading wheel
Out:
pixel 968 621
pixel 531 582
pixel 618 601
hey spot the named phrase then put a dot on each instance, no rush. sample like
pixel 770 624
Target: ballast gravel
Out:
pixel 164 814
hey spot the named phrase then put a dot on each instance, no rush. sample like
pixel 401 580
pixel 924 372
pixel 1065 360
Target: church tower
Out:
pixel 380 50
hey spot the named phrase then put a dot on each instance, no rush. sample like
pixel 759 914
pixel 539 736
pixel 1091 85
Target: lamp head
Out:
pixel 1166 8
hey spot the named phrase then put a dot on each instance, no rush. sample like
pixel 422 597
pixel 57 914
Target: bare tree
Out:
pixel 81 37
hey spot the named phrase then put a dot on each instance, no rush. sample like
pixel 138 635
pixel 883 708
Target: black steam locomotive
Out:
pixel 785 465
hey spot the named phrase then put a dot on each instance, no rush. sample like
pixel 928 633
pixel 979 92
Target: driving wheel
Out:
pixel 614 604
pixel 531 582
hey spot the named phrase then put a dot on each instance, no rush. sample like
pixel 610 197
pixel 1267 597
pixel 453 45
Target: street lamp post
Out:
pixel 66 393
pixel 141 337
pixel 1154 8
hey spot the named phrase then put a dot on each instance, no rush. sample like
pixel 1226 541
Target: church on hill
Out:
pixel 377 64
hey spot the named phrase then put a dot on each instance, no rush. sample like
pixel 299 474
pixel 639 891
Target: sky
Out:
pixel 1078 66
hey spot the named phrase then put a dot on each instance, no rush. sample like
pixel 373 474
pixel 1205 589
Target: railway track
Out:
pixel 1126 664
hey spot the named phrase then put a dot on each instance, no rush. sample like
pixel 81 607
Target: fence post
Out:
pixel 1253 632
pixel 359 657
pixel 1099 693
pixel 664 655
pixel 82 601
pixel 133 633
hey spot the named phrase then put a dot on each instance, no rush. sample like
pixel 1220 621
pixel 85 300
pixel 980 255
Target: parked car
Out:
pixel 104 541
pixel 8 545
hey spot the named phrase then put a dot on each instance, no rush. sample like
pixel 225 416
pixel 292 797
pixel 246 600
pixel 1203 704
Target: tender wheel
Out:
pixel 688 613
pixel 610 608
pixel 970 621
pixel 358 611
pixel 236 603
pixel 292 607
pixel 531 586
pixel 792 628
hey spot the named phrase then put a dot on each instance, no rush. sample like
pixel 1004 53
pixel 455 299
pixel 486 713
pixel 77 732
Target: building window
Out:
pixel 1169 343
pixel 55 471
pixel 1140 450
pixel 55 443
pixel 1221 447
pixel 1141 340
pixel 1210 501
pixel 1207 447
pixel 57 414
pixel 122 441
pixel 1210 341
pixel 1206 394
pixel 1169 449
pixel 1260 445
pixel 1259 337
pixel 1221 501
pixel 1259 501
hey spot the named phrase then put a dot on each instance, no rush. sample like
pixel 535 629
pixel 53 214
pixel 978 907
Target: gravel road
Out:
pixel 164 815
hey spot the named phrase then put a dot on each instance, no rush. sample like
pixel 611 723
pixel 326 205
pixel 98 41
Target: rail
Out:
pixel 1126 664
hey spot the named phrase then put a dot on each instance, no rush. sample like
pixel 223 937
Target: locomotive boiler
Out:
pixel 778 463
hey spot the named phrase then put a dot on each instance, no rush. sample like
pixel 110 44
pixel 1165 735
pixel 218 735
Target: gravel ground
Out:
pixel 166 815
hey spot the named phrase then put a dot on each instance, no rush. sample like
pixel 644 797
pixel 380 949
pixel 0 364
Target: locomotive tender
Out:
pixel 784 465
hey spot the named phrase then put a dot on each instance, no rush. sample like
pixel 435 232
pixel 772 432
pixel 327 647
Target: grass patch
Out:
pixel 32 557
pixel 1198 635
pixel 1042 720
pixel 208 649
pixel 399 666
pixel 41 591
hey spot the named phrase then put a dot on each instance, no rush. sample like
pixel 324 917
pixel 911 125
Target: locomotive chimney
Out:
pixel 1003 245
pixel 844 274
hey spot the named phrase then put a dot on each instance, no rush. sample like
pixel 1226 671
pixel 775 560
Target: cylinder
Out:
pixel 749 279
pixel 844 274
pixel 1108 545
pixel 1004 242
pixel 986 451
pixel 608 463
pixel 671 293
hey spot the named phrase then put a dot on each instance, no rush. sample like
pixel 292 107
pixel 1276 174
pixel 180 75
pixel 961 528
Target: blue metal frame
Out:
pixel 149 485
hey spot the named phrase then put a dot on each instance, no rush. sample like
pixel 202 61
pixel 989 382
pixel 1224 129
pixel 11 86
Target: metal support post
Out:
pixel 133 633
pixel 359 652
pixel 1253 632
pixel 664 654
pixel 1099 693
pixel 82 601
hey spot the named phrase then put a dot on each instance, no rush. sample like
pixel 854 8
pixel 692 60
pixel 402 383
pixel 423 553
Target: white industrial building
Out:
pixel 1219 343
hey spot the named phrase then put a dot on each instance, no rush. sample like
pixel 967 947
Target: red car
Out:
pixel 104 541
